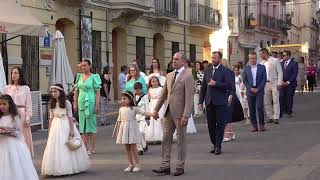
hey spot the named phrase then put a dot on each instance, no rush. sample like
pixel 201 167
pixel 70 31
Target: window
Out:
pixel 193 52
pixel 96 51
pixel 30 58
pixel 175 48
pixel 140 53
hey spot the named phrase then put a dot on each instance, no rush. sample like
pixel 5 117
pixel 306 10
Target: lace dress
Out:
pixel 15 158
pixel 58 159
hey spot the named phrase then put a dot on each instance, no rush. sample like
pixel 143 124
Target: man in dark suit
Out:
pixel 215 85
pixel 290 72
pixel 255 78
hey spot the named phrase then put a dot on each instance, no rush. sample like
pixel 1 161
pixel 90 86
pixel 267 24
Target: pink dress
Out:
pixel 22 98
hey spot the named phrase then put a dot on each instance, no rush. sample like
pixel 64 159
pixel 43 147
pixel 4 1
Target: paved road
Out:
pixel 289 151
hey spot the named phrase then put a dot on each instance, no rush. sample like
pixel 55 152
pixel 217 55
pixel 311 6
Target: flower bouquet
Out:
pixel 8 131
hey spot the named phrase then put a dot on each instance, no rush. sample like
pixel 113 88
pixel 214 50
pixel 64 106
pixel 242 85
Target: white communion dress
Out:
pixel 154 132
pixel 58 159
pixel 15 159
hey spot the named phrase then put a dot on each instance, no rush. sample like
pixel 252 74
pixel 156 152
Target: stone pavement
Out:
pixel 289 151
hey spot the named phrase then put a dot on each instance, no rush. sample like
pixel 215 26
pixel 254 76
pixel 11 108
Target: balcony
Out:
pixel 273 24
pixel 166 10
pixel 204 16
pixel 128 9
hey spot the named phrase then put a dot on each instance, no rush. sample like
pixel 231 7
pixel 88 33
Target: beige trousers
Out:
pixel 271 101
pixel 169 125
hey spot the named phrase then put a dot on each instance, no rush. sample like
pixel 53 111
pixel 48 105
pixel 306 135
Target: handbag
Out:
pixel 74 143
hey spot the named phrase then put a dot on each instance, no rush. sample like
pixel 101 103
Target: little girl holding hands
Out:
pixel 127 131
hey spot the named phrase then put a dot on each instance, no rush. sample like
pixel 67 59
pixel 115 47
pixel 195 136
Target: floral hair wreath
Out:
pixel 132 98
pixel 56 87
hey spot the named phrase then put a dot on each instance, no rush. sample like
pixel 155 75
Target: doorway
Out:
pixel 119 57
pixel 158 49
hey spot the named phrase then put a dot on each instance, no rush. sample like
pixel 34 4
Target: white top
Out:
pixel 254 74
pixel 143 106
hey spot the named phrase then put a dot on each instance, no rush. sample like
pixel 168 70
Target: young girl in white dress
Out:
pixel 58 159
pixel 127 131
pixel 154 131
pixel 15 158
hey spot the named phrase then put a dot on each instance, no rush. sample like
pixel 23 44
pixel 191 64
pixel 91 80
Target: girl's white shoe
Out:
pixel 136 169
pixel 128 169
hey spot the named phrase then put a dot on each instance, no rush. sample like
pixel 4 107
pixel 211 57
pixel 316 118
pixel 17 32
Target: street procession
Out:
pixel 158 89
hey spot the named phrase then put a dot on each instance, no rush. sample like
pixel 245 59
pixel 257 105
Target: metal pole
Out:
pixel 5 55
pixel 80 37
pixel 184 28
pixel 107 37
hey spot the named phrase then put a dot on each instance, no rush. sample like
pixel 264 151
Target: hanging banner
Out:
pixel 86 37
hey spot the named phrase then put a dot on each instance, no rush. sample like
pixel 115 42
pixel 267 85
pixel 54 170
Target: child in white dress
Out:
pixel 15 158
pixel 142 102
pixel 127 131
pixel 154 132
pixel 58 159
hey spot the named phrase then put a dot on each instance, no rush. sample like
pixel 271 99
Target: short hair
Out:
pixel 137 85
pixel 183 56
pixel 288 52
pixel 123 68
pixel 264 50
pixel 219 54
pixel 252 53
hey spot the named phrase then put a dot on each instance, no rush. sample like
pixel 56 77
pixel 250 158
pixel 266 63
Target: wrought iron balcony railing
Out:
pixel 201 14
pixel 167 8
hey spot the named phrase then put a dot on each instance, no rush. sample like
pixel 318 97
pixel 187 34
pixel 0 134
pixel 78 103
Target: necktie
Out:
pixel 285 64
pixel 214 70
pixel 174 78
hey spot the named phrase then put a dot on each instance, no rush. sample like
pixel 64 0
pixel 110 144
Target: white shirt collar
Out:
pixel 180 70
pixel 288 60
pixel 215 68
pixel 253 66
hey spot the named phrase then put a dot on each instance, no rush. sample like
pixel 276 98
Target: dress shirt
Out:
pixel 267 64
pixel 179 72
pixel 215 68
pixel 286 63
pixel 254 74
pixel 122 80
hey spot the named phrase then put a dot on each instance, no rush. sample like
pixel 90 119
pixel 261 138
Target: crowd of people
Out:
pixel 154 108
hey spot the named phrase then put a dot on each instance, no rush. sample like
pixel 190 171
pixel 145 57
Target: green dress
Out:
pixel 86 102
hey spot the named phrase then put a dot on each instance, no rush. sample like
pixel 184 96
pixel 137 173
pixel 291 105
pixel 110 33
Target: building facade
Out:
pixel 305 24
pixel 256 23
pixel 122 31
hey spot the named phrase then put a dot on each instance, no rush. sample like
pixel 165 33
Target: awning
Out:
pixel 17 20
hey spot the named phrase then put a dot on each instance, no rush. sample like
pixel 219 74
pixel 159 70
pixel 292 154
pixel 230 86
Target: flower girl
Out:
pixel 127 131
pixel 58 159
pixel 16 162
pixel 154 131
